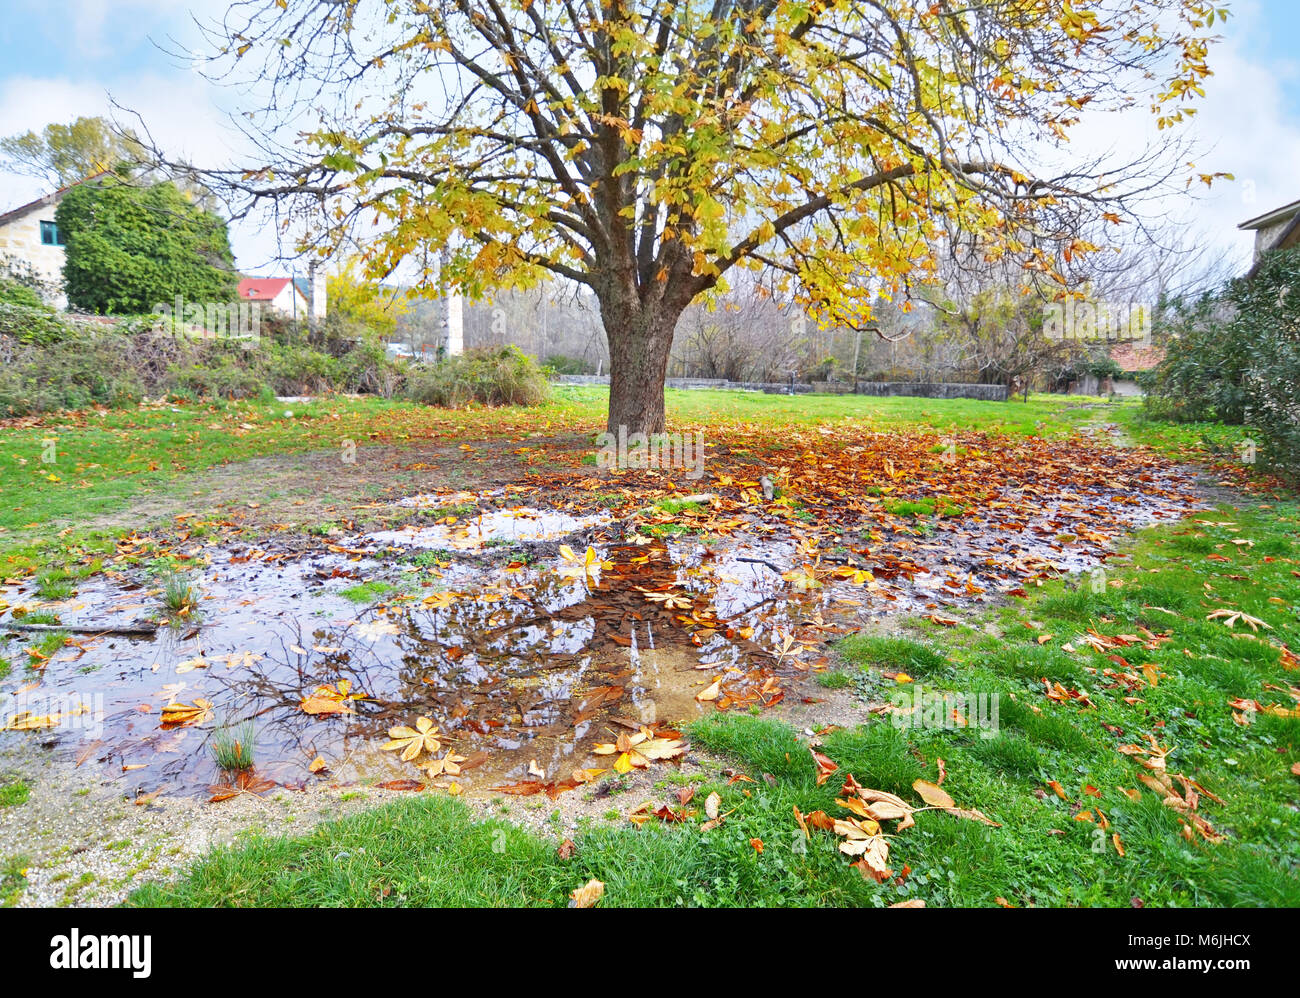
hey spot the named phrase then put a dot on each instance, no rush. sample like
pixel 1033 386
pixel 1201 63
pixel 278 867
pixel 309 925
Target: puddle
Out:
pixel 519 666
pixel 521 525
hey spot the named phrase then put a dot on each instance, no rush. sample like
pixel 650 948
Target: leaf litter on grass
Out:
pixel 525 653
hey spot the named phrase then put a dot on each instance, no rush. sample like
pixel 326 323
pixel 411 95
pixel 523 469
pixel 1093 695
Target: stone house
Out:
pixel 1276 229
pixel 28 235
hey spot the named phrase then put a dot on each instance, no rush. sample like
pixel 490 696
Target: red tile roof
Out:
pixel 261 288
pixel 1131 357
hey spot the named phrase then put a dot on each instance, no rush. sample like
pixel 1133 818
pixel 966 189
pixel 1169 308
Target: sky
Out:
pixel 63 58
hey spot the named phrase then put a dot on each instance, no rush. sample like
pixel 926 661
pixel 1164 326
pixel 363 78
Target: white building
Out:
pixel 28 235
pixel 289 296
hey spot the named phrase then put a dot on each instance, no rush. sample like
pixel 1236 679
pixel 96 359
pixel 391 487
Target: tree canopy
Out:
pixel 363 304
pixel 647 149
pixel 63 154
pixel 131 247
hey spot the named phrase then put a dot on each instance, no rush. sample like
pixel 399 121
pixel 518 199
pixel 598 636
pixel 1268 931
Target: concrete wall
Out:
pixel 20 239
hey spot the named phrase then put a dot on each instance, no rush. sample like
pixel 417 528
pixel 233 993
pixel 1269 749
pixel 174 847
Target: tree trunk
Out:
pixel 640 340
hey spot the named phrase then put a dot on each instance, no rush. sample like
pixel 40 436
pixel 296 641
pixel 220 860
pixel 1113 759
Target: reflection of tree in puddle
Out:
pixel 507 676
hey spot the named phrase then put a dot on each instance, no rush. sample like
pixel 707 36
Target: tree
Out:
pixel 131 248
pixel 1233 355
pixel 363 304
pixel 999 335
pixel 63 154
pixel 648 149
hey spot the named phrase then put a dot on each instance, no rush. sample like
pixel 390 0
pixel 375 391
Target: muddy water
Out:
pixel 521 665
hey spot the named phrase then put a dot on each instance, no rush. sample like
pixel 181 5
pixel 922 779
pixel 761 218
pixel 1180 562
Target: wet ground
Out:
pixel 522 653
pixel 514 641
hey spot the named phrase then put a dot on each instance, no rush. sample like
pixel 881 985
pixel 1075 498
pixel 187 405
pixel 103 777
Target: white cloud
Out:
pixel 181 111
pixel 1243 126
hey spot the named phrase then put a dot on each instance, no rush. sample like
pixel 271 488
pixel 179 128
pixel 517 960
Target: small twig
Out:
pixel 762 561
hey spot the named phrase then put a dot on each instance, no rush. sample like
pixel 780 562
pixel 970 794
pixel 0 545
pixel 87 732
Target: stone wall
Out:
pixel 20 239
pixel 987 393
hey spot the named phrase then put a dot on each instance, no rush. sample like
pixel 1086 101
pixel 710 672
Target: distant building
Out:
pixel 29 235
pixel 289 297
pixel 1276 229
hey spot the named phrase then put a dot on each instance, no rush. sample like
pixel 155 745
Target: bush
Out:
pixel 1235 357
pixel 74 372
pixel 31 324
pixel 13 293
pixel 490 376
pixel 47 364
pixel 1201 376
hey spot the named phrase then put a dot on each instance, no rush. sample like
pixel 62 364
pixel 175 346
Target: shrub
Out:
pixel 31 324
pixel 1200 377
pixel 490 376
pixel 368 368
pixel 13 293
pixel 77 371
pixel 1235 357
pixel 48 363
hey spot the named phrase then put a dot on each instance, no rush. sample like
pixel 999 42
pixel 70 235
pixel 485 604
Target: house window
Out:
pixel 50 235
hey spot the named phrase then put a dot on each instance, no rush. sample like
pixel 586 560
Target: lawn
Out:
pixel 1145 741
pixel 60 473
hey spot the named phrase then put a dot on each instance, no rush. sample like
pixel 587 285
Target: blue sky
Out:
pixel 61 58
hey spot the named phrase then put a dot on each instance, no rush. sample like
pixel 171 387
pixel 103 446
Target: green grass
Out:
pixel 13 793
pixel 367 592
pixel 675 506
pixel 921 507
pixel 53 586
pixel 1180 440
pixel 12 879
pixel 1166 584
pixel 893 653
pixel 180 597
pixel 47 646
pixel 233 746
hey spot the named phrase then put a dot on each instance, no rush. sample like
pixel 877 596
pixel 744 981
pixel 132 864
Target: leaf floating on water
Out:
pixel 175 715
pixel 335 699
pixel 413 741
